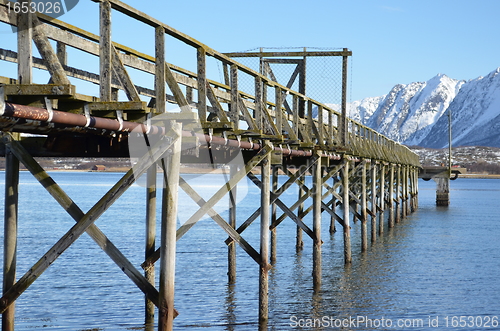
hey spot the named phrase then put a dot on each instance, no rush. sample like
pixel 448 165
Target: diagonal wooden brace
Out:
pixel 155 153
pixel 77 214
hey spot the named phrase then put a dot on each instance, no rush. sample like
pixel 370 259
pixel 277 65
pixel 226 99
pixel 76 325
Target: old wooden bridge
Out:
pixel 357 174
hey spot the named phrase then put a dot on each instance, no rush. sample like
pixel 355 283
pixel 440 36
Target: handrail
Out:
pixel 321 132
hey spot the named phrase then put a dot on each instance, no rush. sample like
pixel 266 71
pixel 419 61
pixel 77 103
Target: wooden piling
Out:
pixel 231 263
pixel 168 233
pixel 382 200
pixel 374 203
pixel 390 198
pixel 10 233
pixel 333 203
pixel 442 191
pixel 274 239
pixel 265 200
pixel 149 273
pixel 317 188
pixel 364 214
pixel 345 205
pixel 398 194
pixel 299 243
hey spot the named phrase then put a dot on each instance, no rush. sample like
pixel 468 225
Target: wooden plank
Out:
pixel 52 90
pixel 290 54
pixel 79 228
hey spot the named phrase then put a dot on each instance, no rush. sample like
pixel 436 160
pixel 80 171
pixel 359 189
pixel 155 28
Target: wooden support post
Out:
pixel 10 233
pixel 415 192
pixel 343 120
pixel 168 233
pixel 24 48
pixel 160 71
pixel 390 198
pixel 299 244
pixel 274 239
pixel 278 112
pixel 345 204
pixel 202 84
pixel 398 193
pixel 258 115
pixel 364 214
pixel 382 201
pixel 265 200
pixel 105 52
pixel 234 114
pixel 317 193
pixel 404 190
pixel 333 203
pixel 231 249
pixel 150 248
pixel 374 204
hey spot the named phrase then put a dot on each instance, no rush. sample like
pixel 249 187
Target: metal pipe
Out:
pixel 79 120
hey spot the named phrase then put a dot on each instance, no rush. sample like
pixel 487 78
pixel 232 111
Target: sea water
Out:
pixel 437 269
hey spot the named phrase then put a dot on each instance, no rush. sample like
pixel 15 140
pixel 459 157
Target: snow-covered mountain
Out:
pixel 417 113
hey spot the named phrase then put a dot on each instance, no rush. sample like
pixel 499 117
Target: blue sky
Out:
pixel 392 41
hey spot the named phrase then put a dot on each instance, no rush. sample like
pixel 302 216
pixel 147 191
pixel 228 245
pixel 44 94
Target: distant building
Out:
pixel 99 167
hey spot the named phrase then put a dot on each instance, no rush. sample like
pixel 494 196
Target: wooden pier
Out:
pixel 356 173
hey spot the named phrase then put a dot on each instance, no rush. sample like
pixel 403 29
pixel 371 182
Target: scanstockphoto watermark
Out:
pixel 361 322
pixel 365 322
pixel 50 8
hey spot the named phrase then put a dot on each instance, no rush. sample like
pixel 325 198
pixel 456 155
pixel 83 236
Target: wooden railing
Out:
pixel 221 106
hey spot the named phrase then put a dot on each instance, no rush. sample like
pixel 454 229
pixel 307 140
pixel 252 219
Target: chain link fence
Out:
pixel 323 74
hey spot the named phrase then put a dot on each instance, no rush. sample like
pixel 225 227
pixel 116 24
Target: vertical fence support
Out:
pixel 364 214
pixel 235 109
pixel 10 233
pixel 105 52
pixel 317 187
pixel 149 273
pixel 25 48
pixel 299 244
pixel 202 84
pixel 398 194
pixel 265 200
pixel 390 198
pixel 343 121
pixel 333 203
pixel 231 249
pixel 168 233
pixel 374 203
pixel 274 239
pixel 160 74
pixel 382 201
pixel 345 205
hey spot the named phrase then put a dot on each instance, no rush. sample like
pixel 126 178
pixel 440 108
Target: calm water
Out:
pixel 437 264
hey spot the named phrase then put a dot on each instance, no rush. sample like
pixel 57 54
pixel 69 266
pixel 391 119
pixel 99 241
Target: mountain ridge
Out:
pixel 416 114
